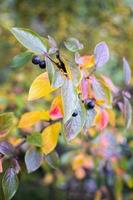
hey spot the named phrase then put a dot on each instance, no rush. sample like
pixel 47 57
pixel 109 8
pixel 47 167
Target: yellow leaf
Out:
pixel 50 137
pixel 30 118
pixel 111 114
pixel 40 87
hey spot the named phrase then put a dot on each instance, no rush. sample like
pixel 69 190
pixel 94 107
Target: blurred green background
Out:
pixel 90 21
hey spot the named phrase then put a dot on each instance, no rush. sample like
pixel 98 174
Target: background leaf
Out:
pixel 53 159
pixel 33 159
pixel 10 183
pixel 101 53
pixel 127 112
pixel 72 44
pixel 6 123
pixel 21 59
pixel 30 40
pixel 126 71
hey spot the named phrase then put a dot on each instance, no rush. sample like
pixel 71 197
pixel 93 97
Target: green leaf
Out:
pixel 76 75
pixel 69 99
pixel 53 159
pixel 6 123
pixel 58 79
pixel 30 40
pixel 35 139
pixel 50 69
pixel 75 124
pixel 127 112
pixel 33 159
pixel 10 183
pixel 72 44
pixel 21 59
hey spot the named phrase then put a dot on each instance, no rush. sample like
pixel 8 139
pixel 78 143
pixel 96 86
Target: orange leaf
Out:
pixel 56 110
pixel 87 61
pixel 30 118
pixel 50 137
pixel 102 119
pixel 40 87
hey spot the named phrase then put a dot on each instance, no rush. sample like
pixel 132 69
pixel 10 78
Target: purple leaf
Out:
pixel 101 53
pixel 126 71
pixel 127 112
pixel 16 165
pixel 6 148
pixel 33 159
pixel 10 183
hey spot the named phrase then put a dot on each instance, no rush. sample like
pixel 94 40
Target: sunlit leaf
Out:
pixel 126 71
pixel 50 137
pixel 53 159
pixel 76 75
pixel 10 183
pixel 40 87
pixel 29 40
pixel 33 159
pixel 72 44
pixel 6 123
pixel 30 118
pixel 127 112
pixel 56 110
pixel 75 124
pixel 35 139
pixel 58 79
pixel 21 59
pixel 101 53
pixel 69 99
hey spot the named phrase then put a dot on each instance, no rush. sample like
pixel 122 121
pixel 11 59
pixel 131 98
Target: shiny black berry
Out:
pixel 42 64
pixel 90 104
pixel 74 114
pixel 36 60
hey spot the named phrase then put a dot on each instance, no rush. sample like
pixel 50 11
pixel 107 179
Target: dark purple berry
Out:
pixel 90 104
pixel 36 60
pixel 42 64
pixel 74 114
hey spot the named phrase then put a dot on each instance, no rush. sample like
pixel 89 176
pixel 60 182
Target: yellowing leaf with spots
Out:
pixel 40 87
pixel 30 118
pixel 56 110
pixel 50 137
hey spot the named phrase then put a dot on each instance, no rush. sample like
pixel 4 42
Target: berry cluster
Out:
pixel 37 61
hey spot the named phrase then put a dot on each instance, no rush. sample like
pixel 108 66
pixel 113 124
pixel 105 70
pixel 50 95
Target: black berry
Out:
pixel 42 64
pixel 36 60
pixel 74 114
pixel 90 104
